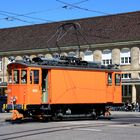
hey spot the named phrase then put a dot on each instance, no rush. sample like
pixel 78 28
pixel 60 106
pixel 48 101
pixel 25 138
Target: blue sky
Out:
pixel 15 13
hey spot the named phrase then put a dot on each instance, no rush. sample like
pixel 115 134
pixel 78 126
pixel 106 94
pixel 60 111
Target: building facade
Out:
pixel 111 39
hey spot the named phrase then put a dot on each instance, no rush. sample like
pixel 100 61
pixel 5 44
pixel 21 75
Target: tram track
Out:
pixel 58 126
pixel 63 126
pixel 47 130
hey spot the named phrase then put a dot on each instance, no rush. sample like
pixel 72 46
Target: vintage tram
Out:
pixel 64 87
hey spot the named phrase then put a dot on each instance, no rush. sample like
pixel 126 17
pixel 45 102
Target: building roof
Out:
pixel 94 30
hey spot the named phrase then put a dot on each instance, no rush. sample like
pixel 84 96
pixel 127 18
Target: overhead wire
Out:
pixel 78 7
pixel 36 12
pixel 66 6
pixel 15 18
pixel 23 15
pixel 90 10
pixel 125 17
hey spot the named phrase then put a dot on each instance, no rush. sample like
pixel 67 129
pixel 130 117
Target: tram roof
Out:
pixel 72 67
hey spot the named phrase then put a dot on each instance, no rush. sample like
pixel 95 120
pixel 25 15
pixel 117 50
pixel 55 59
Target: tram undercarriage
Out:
pixel 62 111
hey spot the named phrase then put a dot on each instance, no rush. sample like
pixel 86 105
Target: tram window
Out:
pixel 10 77
pixel 109 79
pixel 31 77
pixel 16 76
pixel 24 77
pixel 117 79
pixel 36 76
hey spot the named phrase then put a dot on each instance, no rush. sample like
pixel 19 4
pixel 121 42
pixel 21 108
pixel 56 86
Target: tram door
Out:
pixel 44 85
pixel 34 96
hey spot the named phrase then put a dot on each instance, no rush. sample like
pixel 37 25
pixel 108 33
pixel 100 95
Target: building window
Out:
pixel 56 55
pixel 127 90
pixel 125 60
pixel 106 57
pixel 72 54
pixel 126 76
pixel 107 62
pixel 125 56
pixel 88 55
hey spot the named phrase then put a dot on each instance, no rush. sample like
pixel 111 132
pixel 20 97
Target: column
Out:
pixel 97 55
pixel 115 56
pixel 134 58
pixel 134 93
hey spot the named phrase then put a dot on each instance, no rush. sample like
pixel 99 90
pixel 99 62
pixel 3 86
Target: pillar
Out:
pixel 135 58
pixel 115 56
pixel 134 93
pixel 97 55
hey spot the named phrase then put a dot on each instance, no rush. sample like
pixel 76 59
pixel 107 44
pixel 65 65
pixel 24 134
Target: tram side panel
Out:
pixel 77 86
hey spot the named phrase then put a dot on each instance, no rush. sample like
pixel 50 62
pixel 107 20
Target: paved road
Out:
pixel 4 116
pixel 123 126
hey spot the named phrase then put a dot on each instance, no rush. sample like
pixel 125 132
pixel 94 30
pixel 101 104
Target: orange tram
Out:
pixel 64 87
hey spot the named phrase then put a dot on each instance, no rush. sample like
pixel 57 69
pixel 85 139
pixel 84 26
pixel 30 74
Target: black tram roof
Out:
pixel 63 63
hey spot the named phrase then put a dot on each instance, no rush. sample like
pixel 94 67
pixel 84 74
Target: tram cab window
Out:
pixel 36 76
pixel 23 76
pixel 110 79
pixel 16 76
pixel 10 77
pixel 31 77
pixel 117 79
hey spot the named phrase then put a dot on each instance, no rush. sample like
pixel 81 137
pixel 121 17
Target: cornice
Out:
pixel 69 48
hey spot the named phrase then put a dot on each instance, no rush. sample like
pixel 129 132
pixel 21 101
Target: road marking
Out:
pixel 75 123
pixel 87 129
pixel 121 125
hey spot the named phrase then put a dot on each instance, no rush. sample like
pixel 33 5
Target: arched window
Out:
pixel 11 59
pixel 40 55
pixel 88 55
pixel 106 57
pixel 125 56
pixel 72 54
